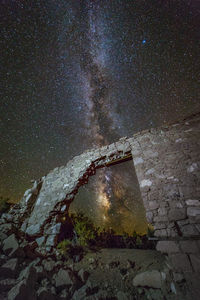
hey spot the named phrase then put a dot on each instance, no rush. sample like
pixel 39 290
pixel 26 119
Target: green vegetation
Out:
pixel 4 205
pixel 64 247
pixel 85 235
pixel 84 232
pixel 84 229
pixel 67 249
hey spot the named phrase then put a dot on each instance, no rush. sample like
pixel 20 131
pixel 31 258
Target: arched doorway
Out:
pixel 112 199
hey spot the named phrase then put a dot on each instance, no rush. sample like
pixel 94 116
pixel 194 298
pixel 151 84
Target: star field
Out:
pixel 79 74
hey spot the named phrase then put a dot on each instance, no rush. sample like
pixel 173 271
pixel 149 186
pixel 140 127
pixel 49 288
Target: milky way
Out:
pixel 79 74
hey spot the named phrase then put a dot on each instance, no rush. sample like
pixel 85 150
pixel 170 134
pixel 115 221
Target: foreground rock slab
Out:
pixel 149 278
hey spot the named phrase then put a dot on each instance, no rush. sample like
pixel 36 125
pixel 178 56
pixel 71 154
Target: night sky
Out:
pixel 78 74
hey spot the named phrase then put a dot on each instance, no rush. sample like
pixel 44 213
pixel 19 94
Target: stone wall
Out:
pixel 41 215
pixel 167 163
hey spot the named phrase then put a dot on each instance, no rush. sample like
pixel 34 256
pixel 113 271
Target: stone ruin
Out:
pixel 167 165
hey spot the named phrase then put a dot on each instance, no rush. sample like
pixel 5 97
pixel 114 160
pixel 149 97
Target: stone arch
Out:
pixel 166 162
pixel 60 186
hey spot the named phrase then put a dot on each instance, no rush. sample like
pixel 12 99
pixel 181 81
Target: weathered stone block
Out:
pixel 176 204
pixel 182 222
pixel 62 278
pixel 161 233
pixel 160 219
pixel 191 202
pixel 149 278
pixel 160 225
pixel 177 214
pixel 181 262
pixel 193 211
pixel 189 230
pixel 162 211
pixel 167 247
pixel 189 246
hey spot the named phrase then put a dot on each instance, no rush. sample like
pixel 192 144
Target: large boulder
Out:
pixel 62 278
pixel 149 278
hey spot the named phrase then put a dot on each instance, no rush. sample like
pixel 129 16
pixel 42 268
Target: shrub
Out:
pixel 84 229
pixel 64 246
pixel 134 234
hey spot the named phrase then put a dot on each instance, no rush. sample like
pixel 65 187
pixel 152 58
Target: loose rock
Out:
pixel 149 278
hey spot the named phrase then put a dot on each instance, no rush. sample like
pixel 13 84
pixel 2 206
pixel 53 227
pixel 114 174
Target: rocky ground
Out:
pixel 99 274
pixel 104 274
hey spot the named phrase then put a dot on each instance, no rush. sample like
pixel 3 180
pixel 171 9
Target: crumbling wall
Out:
pixel 59 188
pixel 167 164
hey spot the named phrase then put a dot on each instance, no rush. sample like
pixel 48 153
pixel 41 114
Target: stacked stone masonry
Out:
pixel 167 163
